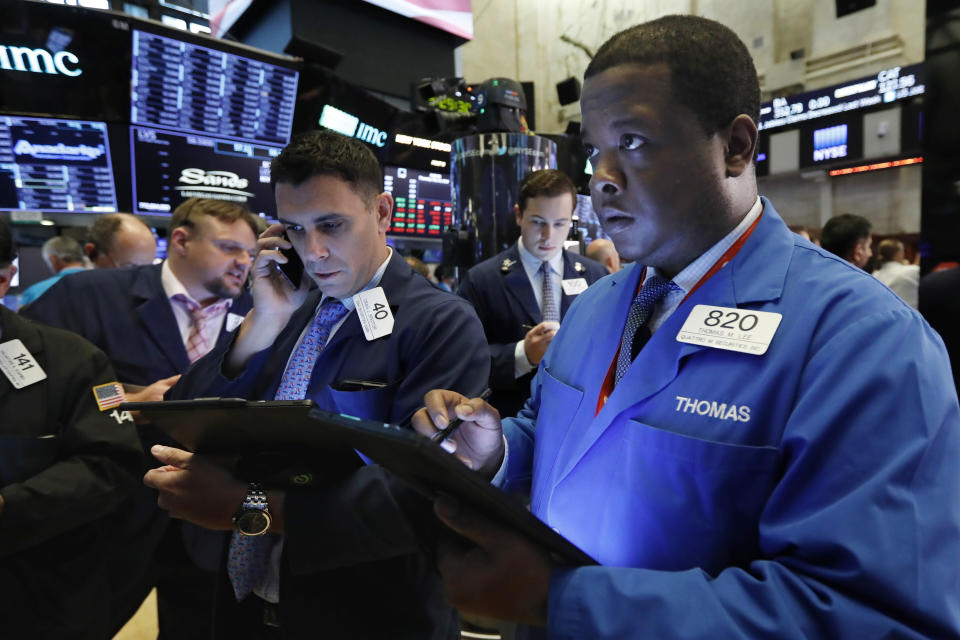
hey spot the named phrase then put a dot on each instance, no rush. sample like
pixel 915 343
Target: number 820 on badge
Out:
pixel 729 328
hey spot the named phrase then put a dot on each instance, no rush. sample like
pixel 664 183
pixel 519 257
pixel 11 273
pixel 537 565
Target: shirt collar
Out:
pixel 172 286
pixel 688 278
pixel 532 262
pixel 348 301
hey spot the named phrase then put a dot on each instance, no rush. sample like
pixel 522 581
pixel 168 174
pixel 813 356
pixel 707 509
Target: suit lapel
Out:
pixel 517 284
pixel 157 317
pixel 394 282
pixel 570 272
pixel 16 328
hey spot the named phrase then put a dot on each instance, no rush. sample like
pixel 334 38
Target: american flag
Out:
pixel 108 395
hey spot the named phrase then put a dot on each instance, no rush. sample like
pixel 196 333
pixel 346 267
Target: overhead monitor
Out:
pixel 422 204
pixel 887 86
pixel 63 61
pixel 169 167
pixel 182 86
pixel 55 165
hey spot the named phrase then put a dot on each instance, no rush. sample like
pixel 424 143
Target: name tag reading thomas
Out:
pixel 574 286
pixel 19 365
pixel 374 313
pixel 730 329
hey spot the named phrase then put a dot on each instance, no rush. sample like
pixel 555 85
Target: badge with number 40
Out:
pixel 374 313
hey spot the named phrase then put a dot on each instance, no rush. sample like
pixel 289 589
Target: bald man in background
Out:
pixel 603 251
pixel 120 240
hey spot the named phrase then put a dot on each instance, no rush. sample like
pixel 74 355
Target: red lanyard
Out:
pixel 728 255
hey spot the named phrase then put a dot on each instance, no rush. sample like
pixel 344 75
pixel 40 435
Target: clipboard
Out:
pixel 273 442
pixel 431 470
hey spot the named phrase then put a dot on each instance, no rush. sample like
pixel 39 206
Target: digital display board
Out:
pixel 63 61
pixel 54 165
pixel 889 85
pixel 422 203
pixel 170 167
pixel 186 87
pixel 832 141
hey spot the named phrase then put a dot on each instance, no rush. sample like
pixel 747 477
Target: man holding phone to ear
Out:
pixel 341 557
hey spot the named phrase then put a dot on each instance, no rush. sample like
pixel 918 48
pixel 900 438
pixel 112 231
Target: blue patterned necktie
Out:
pixel 247 559
pixel 549 311
pixel 653 291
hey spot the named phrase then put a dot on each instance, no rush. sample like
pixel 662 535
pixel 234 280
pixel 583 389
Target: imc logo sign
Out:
pixel 830 143
pixel 39 61
pixel 350 126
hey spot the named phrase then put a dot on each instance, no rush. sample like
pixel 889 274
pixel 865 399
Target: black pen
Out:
pixel 454 424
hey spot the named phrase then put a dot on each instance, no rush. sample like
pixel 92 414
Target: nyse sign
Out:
pixel 39 61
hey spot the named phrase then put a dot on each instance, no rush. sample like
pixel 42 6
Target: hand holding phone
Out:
pixel 292 270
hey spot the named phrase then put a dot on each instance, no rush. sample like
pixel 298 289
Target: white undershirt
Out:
pixel 531 266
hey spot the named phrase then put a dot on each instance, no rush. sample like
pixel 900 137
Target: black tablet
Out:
pixel 428 467
pixel 274 442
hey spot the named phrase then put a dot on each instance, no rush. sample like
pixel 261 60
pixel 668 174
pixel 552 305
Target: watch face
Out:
pixel 253 522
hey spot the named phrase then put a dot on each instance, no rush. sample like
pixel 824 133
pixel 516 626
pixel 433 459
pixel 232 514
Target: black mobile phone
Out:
pixel 293 269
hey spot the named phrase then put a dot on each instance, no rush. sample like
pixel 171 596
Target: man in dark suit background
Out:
pixel 153 321
pixel 119 240
pixel 64 464
pixel 520 311
pixel 341 557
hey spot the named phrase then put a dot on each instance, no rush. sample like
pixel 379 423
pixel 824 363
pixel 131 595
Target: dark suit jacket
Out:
pixel 940 305
pixel 126 313
pixel 353 566
pixel 63 465
pixel 500 291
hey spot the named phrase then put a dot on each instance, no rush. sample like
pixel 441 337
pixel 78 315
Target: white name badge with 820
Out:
pixel 728 328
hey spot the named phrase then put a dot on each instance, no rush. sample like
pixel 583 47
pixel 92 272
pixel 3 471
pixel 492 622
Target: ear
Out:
pixel 88 250
pixel 178 240
pixel 740 145
pixel 383 209
pixel 516 212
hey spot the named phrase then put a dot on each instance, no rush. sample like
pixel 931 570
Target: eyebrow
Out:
pixel 626 122
pixel 323 217
pixel 545 220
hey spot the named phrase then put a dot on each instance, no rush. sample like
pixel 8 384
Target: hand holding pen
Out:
pixel 469 428
pixel 454 424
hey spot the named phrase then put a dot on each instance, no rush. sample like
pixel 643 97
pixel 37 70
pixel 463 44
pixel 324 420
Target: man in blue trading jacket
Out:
pixel 783 461
pixel 339 560
pixel 152 321
pixel 519 307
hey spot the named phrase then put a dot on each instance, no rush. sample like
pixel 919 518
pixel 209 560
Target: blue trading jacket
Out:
pixel 826 505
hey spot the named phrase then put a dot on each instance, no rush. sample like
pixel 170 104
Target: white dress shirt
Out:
pixel 531 266
pixel 687 279
pixel 171 287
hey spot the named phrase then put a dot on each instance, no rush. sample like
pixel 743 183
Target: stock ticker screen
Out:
pixel 190 88
pixel 169 167
pixel 55 165
pixel 422 204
